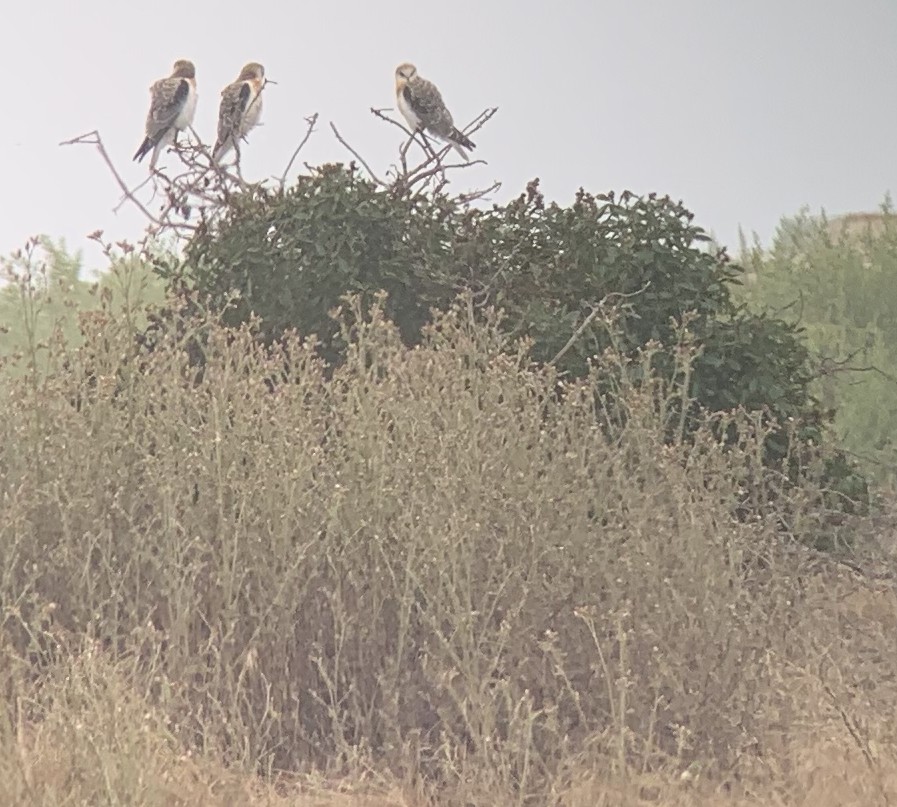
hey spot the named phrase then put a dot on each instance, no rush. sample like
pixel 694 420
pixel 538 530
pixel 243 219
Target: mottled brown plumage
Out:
pixel 421 104
pixel 172 107
pixel 240 109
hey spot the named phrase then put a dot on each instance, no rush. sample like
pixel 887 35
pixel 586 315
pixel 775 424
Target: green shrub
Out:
pixel 605 272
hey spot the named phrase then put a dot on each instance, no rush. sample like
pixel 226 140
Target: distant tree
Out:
pixel 43 292
pixel 837 280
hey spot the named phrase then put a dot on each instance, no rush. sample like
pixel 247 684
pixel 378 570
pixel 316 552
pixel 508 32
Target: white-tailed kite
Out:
pixel 240 110
pixel 172 107
pixel 420 102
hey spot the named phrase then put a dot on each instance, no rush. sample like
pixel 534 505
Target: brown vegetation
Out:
pixel 426 578
pixel 858 225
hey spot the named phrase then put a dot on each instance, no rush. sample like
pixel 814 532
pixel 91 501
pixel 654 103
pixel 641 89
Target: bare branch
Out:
pixel 357 156
pixel 480 121
pixel 411 138
pixel 474 126
pixel 311 121
pixel 93 139
pixel 381 113
pixel 129 195
pixel 576 334
pixel 473 196
pixel 432 171
pixel 211 163
pixel 841 367
pixel 199 191
pixel 596 309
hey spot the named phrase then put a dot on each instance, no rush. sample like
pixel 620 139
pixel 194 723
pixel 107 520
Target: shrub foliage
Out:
pixel 289 255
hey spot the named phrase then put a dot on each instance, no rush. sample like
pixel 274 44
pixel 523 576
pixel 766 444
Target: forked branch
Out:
pixel 93 139
pixel 311 121
pixel 432 172
pixel 203 186
pixel 356 155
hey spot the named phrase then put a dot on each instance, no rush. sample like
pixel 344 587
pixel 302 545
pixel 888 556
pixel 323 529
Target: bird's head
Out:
pixel 183 68
pixel 250 71
pixel 405 72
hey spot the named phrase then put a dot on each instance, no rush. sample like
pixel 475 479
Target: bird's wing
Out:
pixel 168 97
pixel 234 101
pixel 425 99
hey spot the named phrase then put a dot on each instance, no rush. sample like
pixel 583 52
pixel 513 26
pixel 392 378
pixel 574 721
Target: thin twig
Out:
pixel 866 458
pixel 596 309
pixel 357 156
pixel 576 334
pixel 381 113
pixel 311 121
pixel 433 165
pixel 474 126
pixel 442 168
pixel 93 139
pixel 129 195
pixel 851 727
pixel 411 137
pixel 213 164
pixel 473 196
pixel 840 368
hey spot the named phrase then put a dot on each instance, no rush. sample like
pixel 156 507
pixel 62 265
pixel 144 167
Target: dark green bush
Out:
pixel 289 256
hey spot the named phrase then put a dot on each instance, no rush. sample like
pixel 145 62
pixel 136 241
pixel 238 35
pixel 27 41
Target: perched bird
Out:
pixel 420 102
pixel 240 109
pixel 172 107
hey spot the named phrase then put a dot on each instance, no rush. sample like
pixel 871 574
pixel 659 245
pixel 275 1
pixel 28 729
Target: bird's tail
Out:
pixel 461 141
pixel 145 148
pixel 224 146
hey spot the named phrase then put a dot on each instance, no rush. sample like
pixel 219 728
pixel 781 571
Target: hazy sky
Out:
pixel 745 110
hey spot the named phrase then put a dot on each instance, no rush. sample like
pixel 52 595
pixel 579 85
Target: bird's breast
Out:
pixel 405 108
pixel 185 119
pixel 253 110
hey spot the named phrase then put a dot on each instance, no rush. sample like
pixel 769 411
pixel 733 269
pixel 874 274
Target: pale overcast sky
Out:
pixel 745 110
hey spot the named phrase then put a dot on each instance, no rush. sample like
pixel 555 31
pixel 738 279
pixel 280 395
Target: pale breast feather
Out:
pixel 188 110
pixel 403 99
pixel 252 105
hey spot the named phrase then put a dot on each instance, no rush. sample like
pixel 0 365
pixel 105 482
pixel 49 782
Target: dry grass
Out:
pixel 425 578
